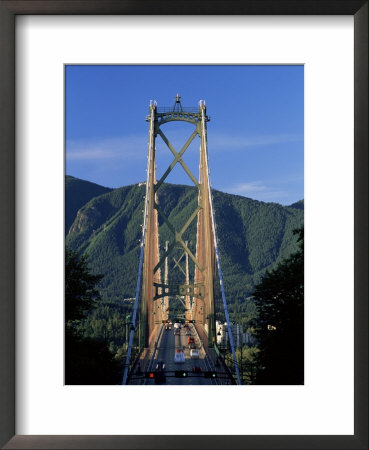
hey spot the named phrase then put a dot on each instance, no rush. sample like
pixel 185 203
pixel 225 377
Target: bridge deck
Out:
pixel 167 345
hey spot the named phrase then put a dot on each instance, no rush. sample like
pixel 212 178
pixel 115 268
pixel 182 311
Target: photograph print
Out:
pixel 184 225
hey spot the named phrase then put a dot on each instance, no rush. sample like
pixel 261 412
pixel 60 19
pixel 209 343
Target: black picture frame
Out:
pixel 8 12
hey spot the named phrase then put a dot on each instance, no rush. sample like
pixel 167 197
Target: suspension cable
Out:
pixel 135 308
pixel 204 137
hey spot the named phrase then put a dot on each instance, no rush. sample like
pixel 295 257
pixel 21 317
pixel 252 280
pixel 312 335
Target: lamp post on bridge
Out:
pixel 128 316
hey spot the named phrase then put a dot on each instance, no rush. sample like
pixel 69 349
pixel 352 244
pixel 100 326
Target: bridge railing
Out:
pixel 213 355
pixel 145 358
pixel 224 365
pixel 134 364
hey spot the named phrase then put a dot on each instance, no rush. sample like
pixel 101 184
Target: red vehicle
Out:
pixel 190 340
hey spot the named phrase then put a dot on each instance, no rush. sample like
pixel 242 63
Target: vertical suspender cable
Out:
pixel 129 350
pixel 217 250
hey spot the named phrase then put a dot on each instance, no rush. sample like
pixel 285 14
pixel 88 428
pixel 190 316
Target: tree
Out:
pixel 87 361
pixel 80 287
pixel 246 357
pixel 279 328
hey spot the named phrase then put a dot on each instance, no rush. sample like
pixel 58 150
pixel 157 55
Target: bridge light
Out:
pixel 150 375
pixel 210 374
pixel 180 373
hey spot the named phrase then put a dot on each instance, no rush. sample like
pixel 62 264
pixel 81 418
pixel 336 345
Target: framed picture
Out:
pixel 46 429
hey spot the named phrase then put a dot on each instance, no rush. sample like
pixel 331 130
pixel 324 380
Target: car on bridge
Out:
pixel 179 356
pixel 194 353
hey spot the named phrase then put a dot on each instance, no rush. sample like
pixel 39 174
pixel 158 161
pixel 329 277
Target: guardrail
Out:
pixel 132 369
pixel 149 366
pixel 207 360
pixel 225 367
pixel 219 356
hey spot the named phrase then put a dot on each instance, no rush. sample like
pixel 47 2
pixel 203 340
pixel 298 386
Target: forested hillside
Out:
pixel 253 236
pixel 77 193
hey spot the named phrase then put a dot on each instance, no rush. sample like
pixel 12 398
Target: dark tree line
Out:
pixel 87 361
pixel 279 329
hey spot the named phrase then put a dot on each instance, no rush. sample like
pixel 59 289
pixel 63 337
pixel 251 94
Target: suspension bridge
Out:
pixel 172 335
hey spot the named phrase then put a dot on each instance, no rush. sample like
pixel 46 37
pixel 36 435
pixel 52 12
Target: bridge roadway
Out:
pixel 167 346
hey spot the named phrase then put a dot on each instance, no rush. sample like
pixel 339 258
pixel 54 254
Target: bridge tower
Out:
pixel 200 288
pixel 149 310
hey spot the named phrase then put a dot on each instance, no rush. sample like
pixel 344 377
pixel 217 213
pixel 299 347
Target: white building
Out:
pixel 239 337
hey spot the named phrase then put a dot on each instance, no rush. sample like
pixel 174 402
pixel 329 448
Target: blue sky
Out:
pixel 255 135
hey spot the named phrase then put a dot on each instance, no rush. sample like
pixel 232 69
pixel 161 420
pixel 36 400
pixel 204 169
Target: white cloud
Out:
pixel 242 188
pixel 128 147
pixel 258 190
pixel 135 147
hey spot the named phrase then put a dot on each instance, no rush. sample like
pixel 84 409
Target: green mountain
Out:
pixel 77 193
pixel 298 205
pixel 253 236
